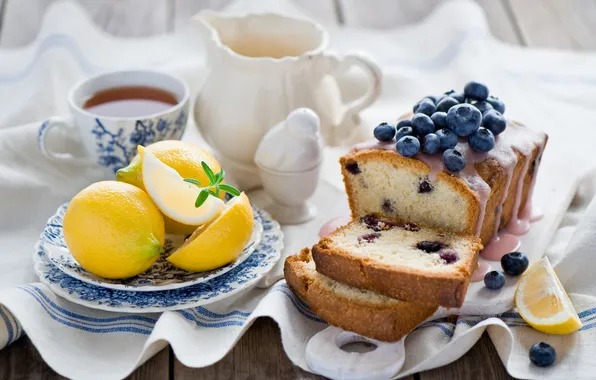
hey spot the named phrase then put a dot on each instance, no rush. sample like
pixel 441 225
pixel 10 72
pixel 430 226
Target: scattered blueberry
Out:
pixel 353 167
pixel 447 137
pixel 440 119
pixel 464 119
pixel 422 124
pixel 483 106
pixel 446 103
pixel 424 186
pixel 431 144
pixel 496 103
pixel 543 354
pixel 430 246
pixel 448 256
pixel 384 132
pixel 403 123
pixel 456 95
pixel 453 160
pixel 426 106
pixel 482 140
pixel 370 221
pixel 408 146
pixel 514 263
pixel 387 206
pixel 433 98
pixel 476 90
pixel 404 131
pixel 494 280
pixel 369 238
pixel 494 121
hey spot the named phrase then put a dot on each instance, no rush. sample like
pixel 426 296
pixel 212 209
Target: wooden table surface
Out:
pixel 562 24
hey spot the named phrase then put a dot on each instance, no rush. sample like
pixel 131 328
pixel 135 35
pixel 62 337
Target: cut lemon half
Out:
pixel 543 303
pixel 174 197
pixel 219 242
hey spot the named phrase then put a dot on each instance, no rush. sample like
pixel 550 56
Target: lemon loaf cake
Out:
pixel 464 169
pixel 400 260
pixel 360 311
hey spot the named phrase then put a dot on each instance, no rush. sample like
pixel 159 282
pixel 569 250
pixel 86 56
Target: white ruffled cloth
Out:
pixel 551 90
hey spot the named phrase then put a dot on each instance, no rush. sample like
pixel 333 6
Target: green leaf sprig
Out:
pixel 215 186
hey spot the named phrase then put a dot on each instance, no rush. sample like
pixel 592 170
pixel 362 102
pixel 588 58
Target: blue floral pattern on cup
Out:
pixel 260 262
pixel 116 150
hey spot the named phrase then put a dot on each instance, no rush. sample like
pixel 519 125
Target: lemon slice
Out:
pixel 219 242
pixel 174 197
pixel 543 303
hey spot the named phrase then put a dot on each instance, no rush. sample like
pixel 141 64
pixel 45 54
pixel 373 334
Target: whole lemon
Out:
pixel 113 229
pixel 181 156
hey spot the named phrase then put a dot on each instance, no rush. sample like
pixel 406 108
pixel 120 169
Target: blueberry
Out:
pixel 453 160
pixel 448 256
pixel 456 95
pixel 543 354
pixel 369 238
pixel 483 106
pixel 430 246
pixel 384 132
pixel 431 144
pixel 494 121
pixel 476 90
pixel 433 98
pixel 482 140
pixel 440 119
pixel 496 103
pixel 446 103
pixel 447 137
pixel 426 106
pixel 464 119
pixel 408 146
pixel 514 263
pixel 422 124
pixel 404 131
pixel 353 168
pixel 494 280
pixel 424 186
pixel 403 123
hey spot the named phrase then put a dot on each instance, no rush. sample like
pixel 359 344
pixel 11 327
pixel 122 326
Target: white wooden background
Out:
pixel 567 24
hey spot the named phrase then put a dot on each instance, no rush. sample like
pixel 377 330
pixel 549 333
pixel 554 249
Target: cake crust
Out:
pixel 385 321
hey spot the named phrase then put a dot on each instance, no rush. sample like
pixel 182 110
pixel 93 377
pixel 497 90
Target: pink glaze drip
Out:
pixel 481 271
pixel 531 213
pixel 500 245
pixel 333 225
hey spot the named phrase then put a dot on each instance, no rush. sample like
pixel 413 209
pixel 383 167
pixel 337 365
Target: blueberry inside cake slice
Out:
pixel 400 260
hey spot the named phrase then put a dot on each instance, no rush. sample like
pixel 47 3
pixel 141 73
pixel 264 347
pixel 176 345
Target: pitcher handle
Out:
pixel 340 65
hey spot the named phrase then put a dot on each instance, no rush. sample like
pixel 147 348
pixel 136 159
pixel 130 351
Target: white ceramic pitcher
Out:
pixel 263 66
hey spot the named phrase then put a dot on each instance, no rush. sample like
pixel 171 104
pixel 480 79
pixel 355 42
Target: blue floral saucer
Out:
pixel 244 276
pixel 161 276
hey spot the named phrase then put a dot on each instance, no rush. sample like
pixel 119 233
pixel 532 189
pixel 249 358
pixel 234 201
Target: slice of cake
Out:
pixel 356 310
pixel 400 260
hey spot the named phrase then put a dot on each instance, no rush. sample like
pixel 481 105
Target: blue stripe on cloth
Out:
pixel 304 311
pixel 18 330
pixel 446 327
pixel 586 313
pixel 211 324
pixel 298 299
pixel 81 325
pixel 209 313
pixel 128 318
pixel 8 326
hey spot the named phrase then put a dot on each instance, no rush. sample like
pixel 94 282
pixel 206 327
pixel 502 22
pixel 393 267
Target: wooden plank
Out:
pixel 482 362
pixel 21 360
pixel 563 24
pixel 258 355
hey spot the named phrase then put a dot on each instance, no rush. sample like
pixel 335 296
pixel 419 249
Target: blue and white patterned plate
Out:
pixel 244 276
pixel 161 276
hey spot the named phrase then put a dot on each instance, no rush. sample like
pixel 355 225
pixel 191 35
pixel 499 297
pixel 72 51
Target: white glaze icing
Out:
pixel 515 138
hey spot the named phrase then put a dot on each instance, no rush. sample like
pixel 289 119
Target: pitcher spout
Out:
pixel 206 23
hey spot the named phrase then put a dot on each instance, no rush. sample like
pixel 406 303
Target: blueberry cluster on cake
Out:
pixel 425 195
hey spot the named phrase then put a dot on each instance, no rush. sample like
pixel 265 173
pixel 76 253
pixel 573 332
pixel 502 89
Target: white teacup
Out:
pixel 110 142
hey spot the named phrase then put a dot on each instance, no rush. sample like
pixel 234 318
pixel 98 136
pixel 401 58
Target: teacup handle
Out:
pixel 58 122
pixel 339 65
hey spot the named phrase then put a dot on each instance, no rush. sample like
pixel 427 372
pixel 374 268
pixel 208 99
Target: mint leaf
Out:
pixel 193 181
pixel 209 172
pixel 229 189
pixel 203 195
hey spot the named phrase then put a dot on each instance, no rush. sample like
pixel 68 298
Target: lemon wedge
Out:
pixel 219 242
pixel 174 197
pixel 543 303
